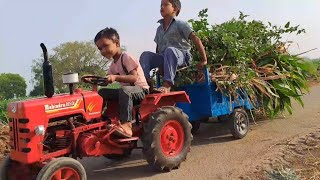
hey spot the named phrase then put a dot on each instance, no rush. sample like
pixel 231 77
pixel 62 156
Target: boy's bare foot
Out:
pixel 165 88
pixel 162 90
pixel 123 130
pixel 127 127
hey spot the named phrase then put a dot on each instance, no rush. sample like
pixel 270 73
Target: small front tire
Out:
pixel 4 168
pixel 62 168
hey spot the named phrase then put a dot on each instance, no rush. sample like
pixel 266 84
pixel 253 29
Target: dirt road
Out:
pixel 215 154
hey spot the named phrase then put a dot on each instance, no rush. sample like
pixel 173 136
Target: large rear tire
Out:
pixel 167 138
pixel 62 168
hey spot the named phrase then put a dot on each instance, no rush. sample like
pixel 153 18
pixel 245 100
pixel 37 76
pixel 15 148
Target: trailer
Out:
pixel 207 102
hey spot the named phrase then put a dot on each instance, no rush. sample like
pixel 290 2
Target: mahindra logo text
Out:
pixel 60 106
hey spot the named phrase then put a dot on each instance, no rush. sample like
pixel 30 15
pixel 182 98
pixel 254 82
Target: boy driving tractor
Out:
pixel 128 72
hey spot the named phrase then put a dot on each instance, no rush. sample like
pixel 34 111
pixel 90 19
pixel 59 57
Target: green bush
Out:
pixel 316 64
pixel 3 111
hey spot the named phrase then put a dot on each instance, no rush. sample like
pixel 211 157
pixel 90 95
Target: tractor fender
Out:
pixel 154 101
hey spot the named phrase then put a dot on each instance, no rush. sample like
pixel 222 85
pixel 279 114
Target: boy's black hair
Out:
pixel 176 4
pixel 108 33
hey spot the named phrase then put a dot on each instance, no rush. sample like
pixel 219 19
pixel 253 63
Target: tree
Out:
pixel 12 85
pixel 79 57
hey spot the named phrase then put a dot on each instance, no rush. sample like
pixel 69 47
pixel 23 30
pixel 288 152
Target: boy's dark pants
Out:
pixel 126 96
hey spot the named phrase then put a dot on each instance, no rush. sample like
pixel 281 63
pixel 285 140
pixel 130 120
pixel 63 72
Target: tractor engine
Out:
pixel 57 137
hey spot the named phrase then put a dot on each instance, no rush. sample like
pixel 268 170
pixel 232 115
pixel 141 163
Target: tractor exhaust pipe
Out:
pixel 47 73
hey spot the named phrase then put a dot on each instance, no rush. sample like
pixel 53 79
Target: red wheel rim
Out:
pixel 172 138
pixel 65 173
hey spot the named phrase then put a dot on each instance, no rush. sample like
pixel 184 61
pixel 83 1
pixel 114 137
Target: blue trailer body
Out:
pixel 207 101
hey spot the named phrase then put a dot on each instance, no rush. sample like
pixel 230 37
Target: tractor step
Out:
pixel 127 139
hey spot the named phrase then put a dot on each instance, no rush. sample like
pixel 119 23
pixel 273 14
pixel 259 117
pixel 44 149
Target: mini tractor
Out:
pixel 49 134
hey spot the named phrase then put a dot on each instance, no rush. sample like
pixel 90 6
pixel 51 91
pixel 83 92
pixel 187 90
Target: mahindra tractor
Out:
pixel 49 134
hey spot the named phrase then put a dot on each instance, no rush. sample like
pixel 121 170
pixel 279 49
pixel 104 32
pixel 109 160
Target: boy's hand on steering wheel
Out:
pixel 89 79
pixel 111 78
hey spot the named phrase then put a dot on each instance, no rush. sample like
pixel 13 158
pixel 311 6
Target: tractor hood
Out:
pixel 87 103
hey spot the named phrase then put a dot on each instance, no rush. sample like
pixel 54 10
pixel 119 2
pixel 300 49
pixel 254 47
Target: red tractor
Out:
pixel 49 134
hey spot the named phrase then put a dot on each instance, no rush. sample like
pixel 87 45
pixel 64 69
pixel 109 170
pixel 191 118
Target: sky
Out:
pixel 25 24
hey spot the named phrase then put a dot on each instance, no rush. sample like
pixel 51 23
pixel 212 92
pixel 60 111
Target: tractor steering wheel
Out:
pixel 95 80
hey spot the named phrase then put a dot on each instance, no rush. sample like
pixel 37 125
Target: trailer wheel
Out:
pixel 62 168
pixel 167 138
pixel 239 123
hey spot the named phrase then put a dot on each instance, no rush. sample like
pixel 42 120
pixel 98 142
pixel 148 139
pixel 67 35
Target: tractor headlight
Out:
pixel 40 130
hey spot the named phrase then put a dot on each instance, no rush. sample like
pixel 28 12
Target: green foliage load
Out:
pixel 251 56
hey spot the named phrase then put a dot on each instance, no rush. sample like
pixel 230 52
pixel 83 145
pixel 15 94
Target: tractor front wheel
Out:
pixel 167 138
pixel 8 166
pixel 4 168
pixel 62 168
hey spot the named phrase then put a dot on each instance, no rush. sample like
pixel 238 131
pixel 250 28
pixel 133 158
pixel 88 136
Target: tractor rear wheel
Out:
pixel 167 138
pixel 239 123
pixel 62 168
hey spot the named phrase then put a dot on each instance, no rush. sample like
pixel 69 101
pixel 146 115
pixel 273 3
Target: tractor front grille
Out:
pixel 15 128
pixel 13 123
